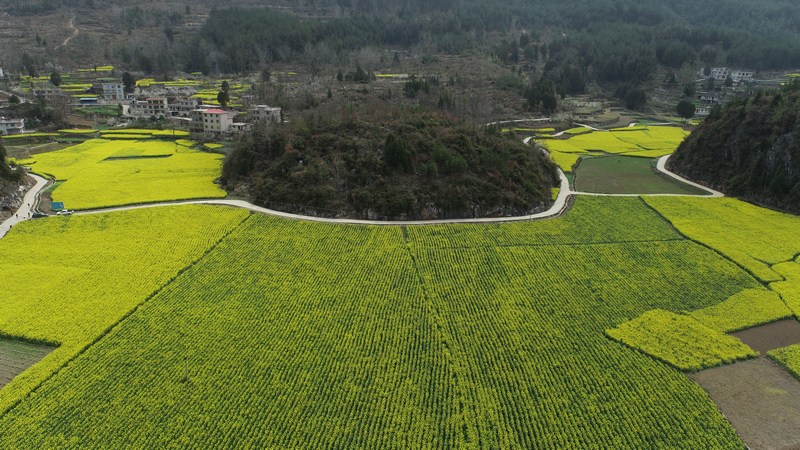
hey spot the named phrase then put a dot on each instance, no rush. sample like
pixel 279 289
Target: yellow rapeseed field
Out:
pixel 101 173
pixel 70 278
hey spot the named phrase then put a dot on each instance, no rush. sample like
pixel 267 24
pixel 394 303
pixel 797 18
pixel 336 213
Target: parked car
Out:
pixel 38 215
pixel 65 212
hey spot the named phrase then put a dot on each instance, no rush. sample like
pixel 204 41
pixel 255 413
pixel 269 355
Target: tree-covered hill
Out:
pixel 749 149
pixel 395 165
pixel 618 41
pixel 622 41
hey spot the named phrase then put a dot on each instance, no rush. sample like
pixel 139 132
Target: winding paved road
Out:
pixel 28 205
pixel 557 209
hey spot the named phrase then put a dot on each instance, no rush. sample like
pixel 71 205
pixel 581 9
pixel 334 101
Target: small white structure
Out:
pixel 12 126
pixel 113 91
pixel 240 127
pixel 212 120
pixel 742 75
pixel 738 75
pixel 265 112
pixel 2 74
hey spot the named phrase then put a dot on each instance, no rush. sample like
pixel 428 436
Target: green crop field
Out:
pixel 100 173
pixel 626 175
pixel 788 357
pixel 680 340
pixel 293 334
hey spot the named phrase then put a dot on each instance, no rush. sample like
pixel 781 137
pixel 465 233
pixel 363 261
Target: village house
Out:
pixel 11 126
pixel 183 107
pixel 113 91
pixel 265 113
pixel 150 107
pixel 210 121
pixel 738 75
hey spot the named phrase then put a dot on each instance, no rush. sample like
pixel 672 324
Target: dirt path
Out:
pixel 75 32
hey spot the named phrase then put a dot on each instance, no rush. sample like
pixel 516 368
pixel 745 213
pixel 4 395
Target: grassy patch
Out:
pixel 626 175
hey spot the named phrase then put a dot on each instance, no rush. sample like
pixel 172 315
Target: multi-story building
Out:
pixel 742 75
pixel 210 121
pixel 183 107
pixel 722 73
pixel 264 112
pixel 150 107
pixel 719 73
pixel 113 90
pixel 12 126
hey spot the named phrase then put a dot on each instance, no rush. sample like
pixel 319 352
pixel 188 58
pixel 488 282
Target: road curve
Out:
pixel 559 206
pixel 28 204
pixel 661 165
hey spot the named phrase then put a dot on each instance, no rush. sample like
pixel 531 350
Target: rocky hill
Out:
pixel 383 164
pixel 749 149
pixel 12 188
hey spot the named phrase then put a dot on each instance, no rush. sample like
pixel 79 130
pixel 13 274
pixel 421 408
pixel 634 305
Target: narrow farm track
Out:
pixel 75 32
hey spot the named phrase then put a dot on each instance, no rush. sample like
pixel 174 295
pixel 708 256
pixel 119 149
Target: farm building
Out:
pixel 12 126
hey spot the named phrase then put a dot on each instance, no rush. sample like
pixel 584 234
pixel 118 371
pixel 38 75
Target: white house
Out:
pixel 113 91
pixel 12 126
pixel 2 74
pixel 183 107
pixel 742 75
pixel 720 73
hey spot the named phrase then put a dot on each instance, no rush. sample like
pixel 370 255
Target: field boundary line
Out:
pixel 124 317
pixel 763 283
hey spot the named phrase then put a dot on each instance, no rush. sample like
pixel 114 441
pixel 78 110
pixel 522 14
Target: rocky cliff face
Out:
pixel 750 149
pixel 11 195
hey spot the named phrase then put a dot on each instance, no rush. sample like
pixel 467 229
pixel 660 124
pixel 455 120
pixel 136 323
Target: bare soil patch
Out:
pixel 759 398
pixel 16 356
pixel 771 336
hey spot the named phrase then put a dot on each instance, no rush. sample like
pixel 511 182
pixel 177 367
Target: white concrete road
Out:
pixel 557 209
pixel 28 205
